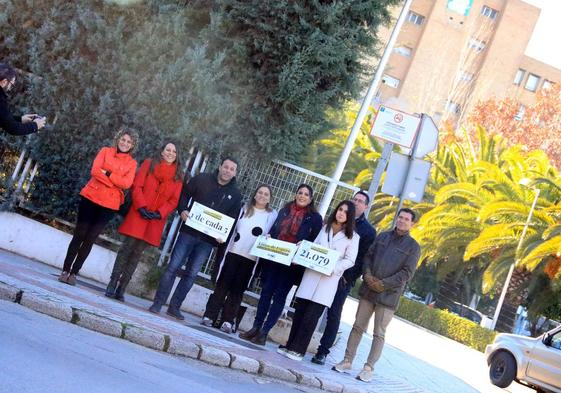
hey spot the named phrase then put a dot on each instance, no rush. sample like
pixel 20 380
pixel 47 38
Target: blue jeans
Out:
pixel 191 252
pixel 333 318
pixel 277 281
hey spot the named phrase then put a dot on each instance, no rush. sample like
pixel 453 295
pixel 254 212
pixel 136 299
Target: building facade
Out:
pixel 452 53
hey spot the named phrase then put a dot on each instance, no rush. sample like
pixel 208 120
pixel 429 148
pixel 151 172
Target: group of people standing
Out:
pixel 386 262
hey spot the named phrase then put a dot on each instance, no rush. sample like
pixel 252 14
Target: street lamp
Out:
pixel 513 265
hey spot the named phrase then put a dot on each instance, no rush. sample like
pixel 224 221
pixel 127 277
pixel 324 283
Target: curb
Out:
pixel 159 341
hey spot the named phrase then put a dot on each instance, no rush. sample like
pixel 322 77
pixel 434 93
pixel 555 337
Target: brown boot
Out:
pixel 63 277
pixel 71 279
pixel 249 334
pixel 260 338
pixel 120 293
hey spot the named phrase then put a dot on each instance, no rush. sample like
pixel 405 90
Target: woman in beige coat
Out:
pixel 317 290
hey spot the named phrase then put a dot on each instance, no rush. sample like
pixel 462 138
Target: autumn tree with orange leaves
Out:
pixel 537 128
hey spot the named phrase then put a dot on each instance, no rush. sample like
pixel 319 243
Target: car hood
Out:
pixel 516 339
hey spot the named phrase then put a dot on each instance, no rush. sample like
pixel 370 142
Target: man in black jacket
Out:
pixel 367 235
pixel 192 248
pixel 15 125
pixel 388 266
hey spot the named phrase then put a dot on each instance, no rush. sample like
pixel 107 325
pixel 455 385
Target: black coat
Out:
pixel 309 228
pixel 367 235
pixel 12 124
pixel 205 189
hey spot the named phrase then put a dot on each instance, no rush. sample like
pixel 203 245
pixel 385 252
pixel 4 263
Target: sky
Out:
pixel 544 45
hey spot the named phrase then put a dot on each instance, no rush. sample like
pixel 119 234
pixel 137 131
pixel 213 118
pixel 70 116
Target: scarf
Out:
pixel 290 225
pixel 164 174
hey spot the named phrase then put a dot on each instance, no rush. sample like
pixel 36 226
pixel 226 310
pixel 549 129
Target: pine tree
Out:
pixel 246 76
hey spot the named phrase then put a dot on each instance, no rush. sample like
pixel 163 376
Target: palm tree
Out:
pixel 475 206
pixel 479 210
pixel 324 152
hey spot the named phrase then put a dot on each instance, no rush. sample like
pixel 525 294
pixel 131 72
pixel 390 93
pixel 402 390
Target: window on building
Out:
pixel 453 107
pixel 403 51
pixel 520 115
pixel 390 81
pixel 415 18
pixel 519 76
pixel 476 45
pixel 547 84
pixel 466 76
pixel 489 12
pixel 532 82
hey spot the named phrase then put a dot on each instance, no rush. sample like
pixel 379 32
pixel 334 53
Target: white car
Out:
pixel 535 362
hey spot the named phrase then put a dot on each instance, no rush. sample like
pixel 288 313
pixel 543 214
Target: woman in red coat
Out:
pixel 112 172
pixel 155 194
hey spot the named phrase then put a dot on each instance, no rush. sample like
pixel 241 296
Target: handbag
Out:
pixel 126 205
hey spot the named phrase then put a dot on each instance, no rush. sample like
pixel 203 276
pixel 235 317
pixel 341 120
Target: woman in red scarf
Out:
pixel 297 220
pixel 155 194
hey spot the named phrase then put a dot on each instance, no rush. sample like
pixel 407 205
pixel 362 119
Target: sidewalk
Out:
pixel 34 285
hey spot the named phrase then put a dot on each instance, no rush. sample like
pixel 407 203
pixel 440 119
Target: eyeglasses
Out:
pixel 359 200
pixel 10 84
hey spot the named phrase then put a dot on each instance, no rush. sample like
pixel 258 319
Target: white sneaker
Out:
pixel 294 355
pixel 343 366
pixel 281 350
pixel 207 322
pixel 366 374
pixel 226 327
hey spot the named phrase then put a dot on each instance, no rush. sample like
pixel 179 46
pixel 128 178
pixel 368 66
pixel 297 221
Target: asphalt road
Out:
pixel 42 354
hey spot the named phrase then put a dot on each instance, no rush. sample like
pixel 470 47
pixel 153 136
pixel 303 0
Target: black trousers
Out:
pixel 230 286
pixel 306 317
pixel 127 260
pixel 334 318
pixel 92 218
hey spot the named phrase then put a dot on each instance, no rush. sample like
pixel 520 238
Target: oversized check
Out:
pixel 316 257
pixel 209 221
pixel 274 250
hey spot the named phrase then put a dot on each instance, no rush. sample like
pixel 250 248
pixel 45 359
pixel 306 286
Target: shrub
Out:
pixel 446 324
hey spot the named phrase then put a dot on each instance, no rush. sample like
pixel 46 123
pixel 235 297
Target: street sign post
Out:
pixel 395 126
pixel 416 171
pixel 398 183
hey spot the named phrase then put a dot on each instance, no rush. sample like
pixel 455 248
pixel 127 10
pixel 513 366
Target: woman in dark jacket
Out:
pixel 15 125
pixel 297 220
pixel 155 194
pixel 112 172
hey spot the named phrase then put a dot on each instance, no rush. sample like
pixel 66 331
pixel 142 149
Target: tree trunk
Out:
pixel 515 296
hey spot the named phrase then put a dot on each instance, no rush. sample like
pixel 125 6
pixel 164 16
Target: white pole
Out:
pixel 23 175
pixel 31 177
pixel 19 164
pixel 512 266
pixel 330 191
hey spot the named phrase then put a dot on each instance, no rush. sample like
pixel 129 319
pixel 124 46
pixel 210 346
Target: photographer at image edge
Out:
pixel 15 125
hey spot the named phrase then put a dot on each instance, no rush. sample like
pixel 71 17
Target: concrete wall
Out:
pixel 32 239
pixel 46 244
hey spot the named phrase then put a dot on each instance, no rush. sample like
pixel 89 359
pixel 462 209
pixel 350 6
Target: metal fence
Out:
pixel 18 169
pixel 283 178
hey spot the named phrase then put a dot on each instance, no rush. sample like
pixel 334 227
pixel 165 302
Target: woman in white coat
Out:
pixel 317 290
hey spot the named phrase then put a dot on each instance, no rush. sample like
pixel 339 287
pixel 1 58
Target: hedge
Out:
pixel 446 324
